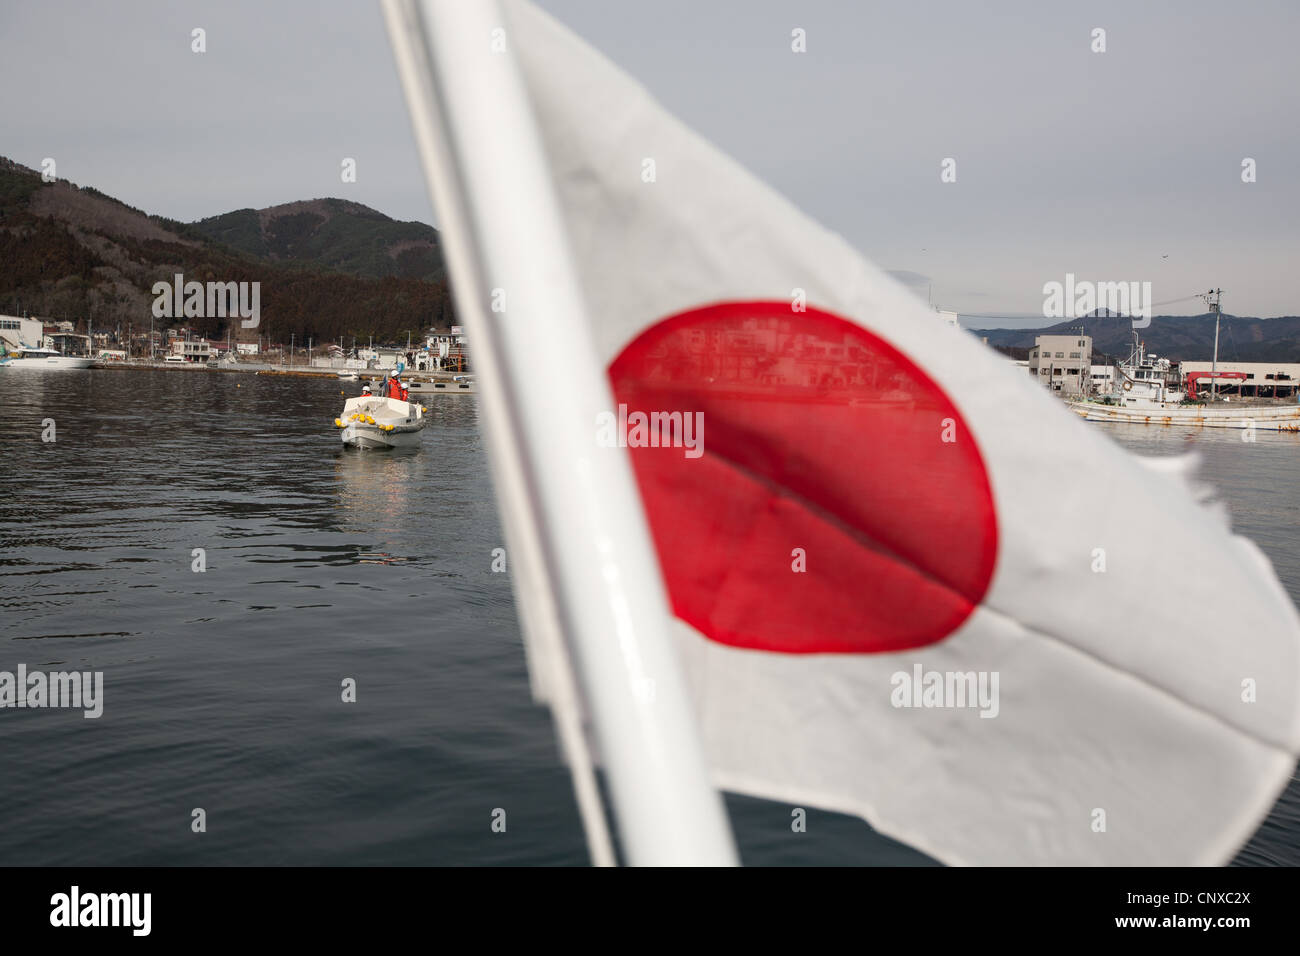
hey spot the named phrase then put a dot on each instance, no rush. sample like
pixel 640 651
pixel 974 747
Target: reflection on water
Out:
pixel 222 688
pixel 376 490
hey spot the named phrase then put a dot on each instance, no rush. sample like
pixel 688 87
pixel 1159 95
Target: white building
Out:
pixel 1103 378
pixel 192 350
pixel 1262 379
pixel 442 350
pixel 17 333
pixel 1063 363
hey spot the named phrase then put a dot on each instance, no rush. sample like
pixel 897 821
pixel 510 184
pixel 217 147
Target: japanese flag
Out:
pixel 907 583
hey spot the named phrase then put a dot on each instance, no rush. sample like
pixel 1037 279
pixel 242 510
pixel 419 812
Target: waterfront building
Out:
pixel 1062 363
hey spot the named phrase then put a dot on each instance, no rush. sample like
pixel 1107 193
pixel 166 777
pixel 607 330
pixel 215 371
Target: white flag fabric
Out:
pixel 907 583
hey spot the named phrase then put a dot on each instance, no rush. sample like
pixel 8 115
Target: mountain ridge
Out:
pixel 334 233
pixel 73 252
pixel 1176 337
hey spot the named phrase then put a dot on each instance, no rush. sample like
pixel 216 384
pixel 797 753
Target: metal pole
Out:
pixel 1214 364
pixel 596 600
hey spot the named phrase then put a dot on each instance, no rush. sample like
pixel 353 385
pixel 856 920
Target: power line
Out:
pixel 1030 315
pixel 1186 298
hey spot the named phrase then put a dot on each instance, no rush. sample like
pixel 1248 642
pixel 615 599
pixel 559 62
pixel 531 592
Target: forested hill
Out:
pixel 69 252
pixel 1178 337
pixel 333 234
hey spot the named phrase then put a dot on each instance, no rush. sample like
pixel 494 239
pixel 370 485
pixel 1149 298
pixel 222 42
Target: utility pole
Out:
pixel 1212 300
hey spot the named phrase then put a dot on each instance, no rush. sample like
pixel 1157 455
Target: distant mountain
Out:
pixel 332 234
pixel 1178 337
pixel 69 252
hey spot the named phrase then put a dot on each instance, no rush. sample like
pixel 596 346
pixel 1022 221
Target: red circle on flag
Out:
pixel 812 489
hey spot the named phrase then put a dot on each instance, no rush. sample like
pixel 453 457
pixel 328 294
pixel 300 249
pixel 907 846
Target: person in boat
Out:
pixel 365 390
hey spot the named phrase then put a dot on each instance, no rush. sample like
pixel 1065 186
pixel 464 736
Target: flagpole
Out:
pixel 592 599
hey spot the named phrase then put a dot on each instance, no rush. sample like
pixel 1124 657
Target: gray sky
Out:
pixel 1067 160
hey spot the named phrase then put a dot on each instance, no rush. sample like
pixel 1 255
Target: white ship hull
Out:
pixel 46 362
pixel 373 422
pixel 1262 417
pixel 367 436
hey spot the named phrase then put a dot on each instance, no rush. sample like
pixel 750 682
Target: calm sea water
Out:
pixel 222 688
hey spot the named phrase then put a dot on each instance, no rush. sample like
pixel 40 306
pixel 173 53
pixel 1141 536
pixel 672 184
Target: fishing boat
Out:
pixel 374 421
pixel 348 376
pixel 1283 418
pixel 42 359
pixel 1146 393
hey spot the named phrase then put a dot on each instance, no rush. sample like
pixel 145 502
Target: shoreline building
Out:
pixel 192 350
pixel 1062 363
pixel 1248 379
pixel 18 333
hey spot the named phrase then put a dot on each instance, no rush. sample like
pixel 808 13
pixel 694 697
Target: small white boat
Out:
pixel 371 421
pixel 348 376
pixel 43 359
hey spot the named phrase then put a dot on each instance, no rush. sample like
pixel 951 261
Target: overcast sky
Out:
pixel 1101 164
